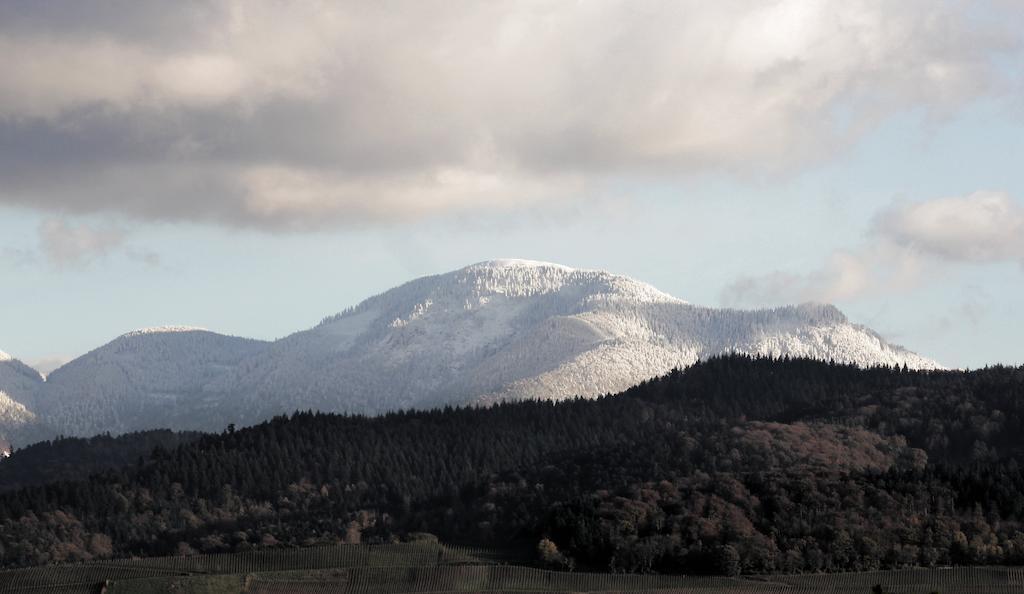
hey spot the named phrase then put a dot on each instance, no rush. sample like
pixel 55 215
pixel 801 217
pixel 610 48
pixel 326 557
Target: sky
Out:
pixel 252 167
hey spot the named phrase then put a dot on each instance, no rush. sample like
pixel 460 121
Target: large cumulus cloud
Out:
pixel 309 114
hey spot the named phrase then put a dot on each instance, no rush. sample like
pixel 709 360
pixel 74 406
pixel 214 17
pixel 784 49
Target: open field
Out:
pixel 500 579
pixel 429 568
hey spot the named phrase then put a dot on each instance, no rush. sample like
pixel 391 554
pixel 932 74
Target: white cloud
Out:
pixel 65 244
pixel 285 193
pixel 981 227
pixel 844 275
pixel 294 115
pixel 249 54
pixel 907 245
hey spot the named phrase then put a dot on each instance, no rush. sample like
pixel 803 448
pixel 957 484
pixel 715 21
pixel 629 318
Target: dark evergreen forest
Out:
pixel 74 458
pixel 736 464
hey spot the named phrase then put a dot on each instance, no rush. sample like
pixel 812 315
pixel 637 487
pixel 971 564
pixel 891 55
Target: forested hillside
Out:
pixel 72 458
pixel 736 464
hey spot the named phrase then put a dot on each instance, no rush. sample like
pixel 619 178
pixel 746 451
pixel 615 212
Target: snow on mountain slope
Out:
pixel 17 380
pixel 143 379
pixel 504 329
pixel 678 335
pixel 511 329
pixel 13 414
pixel 19 384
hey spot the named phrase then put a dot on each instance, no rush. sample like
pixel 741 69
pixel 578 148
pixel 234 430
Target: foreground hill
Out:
pixel 494 331
pixel 735 464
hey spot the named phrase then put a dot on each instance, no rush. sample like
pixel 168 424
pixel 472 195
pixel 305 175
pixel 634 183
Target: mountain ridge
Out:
pixel 491 331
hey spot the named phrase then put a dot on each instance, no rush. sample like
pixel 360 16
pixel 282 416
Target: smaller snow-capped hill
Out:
pixel 511 329
pixel 19 385
pixel 18 381
pixel 16 378
pixel 143 379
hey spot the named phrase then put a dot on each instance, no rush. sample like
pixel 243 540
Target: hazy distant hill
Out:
pixel 151 378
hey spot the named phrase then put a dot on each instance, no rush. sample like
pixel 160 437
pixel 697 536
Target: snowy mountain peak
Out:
pixel 514 278
pixel 5 357
pixel 162 330
pixel 509 329
pixel 516 263
pixel 486 285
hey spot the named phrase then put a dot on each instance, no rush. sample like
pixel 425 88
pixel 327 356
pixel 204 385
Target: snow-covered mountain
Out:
pixel 17 380
pixel 513 329
pixel 19 384
pixel 505 329
pixel 144 379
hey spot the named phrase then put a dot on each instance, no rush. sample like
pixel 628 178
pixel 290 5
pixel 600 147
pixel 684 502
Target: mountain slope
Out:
pixel 513 329
pixel 498 330
pixel 774 458
pixel 144 379
pixel 19 384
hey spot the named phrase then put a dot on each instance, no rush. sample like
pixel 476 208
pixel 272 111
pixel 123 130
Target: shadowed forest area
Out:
pixel 735 465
